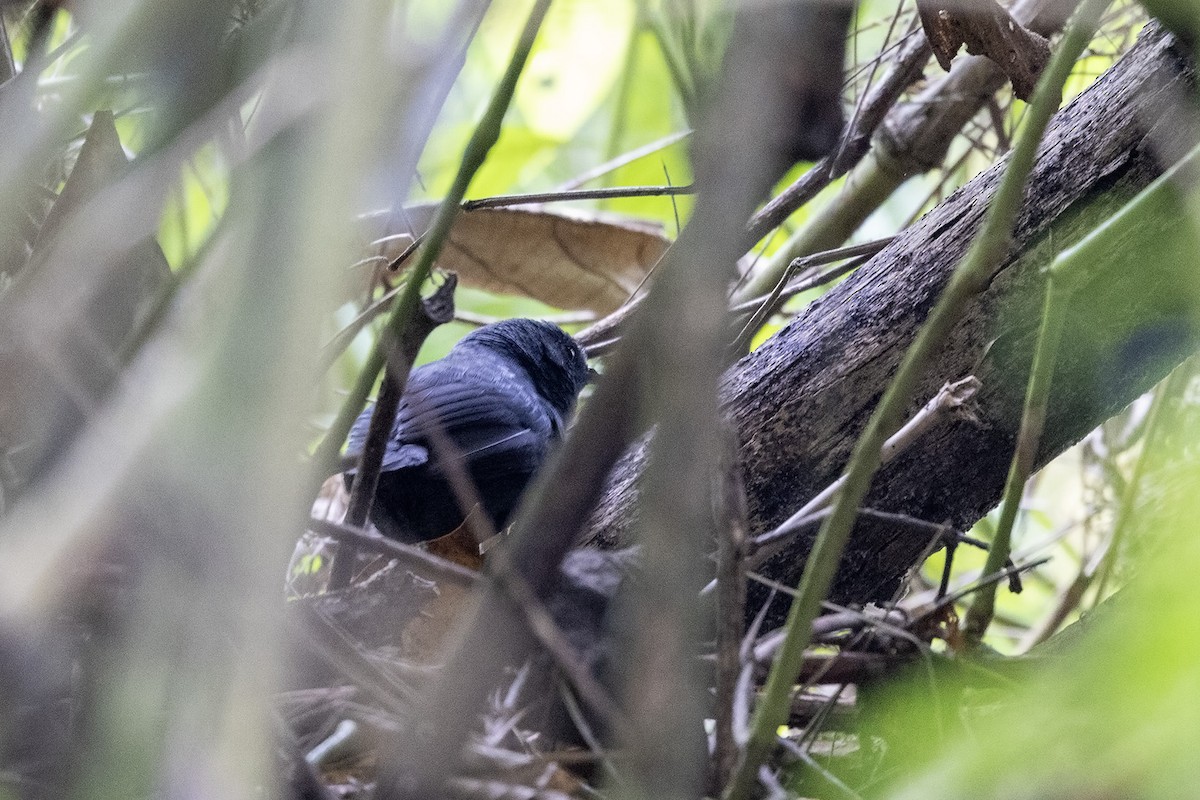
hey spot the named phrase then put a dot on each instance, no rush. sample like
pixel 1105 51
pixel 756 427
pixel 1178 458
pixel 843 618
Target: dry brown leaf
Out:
pixel 565 259
pixel 458 547
pixel 987 29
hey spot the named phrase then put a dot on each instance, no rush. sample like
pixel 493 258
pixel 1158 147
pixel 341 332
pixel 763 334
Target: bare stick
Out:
pixel 578 194
pixel 623 159
pixel 426 563
pixel 431 312
pixel 952 397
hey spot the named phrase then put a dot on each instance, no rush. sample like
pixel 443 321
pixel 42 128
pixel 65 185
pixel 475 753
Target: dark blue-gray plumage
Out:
pixel 502 396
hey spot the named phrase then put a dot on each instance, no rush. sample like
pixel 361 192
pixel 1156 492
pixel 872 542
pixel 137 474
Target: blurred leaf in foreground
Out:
pixel 1115 711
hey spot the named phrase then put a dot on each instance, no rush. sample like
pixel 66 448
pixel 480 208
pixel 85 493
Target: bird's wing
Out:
pixel 484 412
pixel 399 453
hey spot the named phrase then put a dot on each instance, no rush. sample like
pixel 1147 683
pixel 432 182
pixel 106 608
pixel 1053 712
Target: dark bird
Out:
pixel 502 396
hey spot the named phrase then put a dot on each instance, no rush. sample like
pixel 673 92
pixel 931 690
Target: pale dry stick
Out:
pixel 763 307
pixel 804 263
pixel 623 159
pixel 952 398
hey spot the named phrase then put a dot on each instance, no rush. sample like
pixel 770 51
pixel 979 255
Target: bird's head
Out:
pixel 554 361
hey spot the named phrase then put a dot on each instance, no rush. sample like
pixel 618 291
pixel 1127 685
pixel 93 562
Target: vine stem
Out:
pixel 486 134
pixel 971 277
pixel 1033 419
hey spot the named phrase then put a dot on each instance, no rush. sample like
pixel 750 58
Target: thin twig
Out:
pixel 609 193
pixel 410 335
pixel 731 602
pixel 623 159
pixel 782 294
pixel 974 586
pixel 429 565
pixel 804 263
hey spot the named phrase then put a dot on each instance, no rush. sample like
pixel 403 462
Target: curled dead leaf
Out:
pixel 566 259
pixel 987 29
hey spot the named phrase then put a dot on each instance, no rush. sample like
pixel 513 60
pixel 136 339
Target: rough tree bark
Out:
pixel 800 400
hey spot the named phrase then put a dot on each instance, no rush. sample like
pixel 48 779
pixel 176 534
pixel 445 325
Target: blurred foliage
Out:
pixel 692 36
pixel 1115 709
pixel 1118 716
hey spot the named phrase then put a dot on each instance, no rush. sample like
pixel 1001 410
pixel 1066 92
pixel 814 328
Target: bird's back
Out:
pixel 493 420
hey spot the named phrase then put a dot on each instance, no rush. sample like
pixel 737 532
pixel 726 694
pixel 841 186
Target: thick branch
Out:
pixel 800 401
